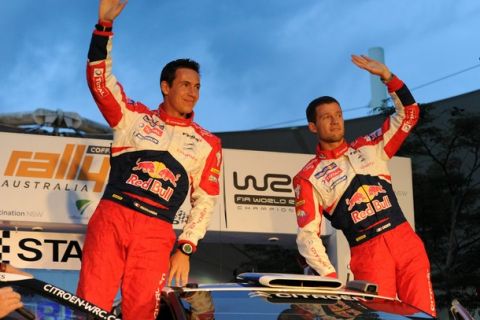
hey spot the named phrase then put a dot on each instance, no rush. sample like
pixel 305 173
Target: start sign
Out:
pixel 41 250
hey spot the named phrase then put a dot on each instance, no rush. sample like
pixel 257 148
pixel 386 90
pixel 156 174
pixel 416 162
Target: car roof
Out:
pixel 286 296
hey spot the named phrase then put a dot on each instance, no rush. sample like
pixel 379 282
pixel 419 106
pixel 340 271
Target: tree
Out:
pixel 445 153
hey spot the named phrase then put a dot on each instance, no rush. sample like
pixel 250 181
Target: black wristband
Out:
pixel 101 28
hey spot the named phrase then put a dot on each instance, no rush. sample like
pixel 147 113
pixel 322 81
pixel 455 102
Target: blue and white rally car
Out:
pixel 265 296
pixel 259 296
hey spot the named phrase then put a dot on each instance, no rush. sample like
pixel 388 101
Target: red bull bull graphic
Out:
pixel 156 171
pixel 145 166
pixel 367 194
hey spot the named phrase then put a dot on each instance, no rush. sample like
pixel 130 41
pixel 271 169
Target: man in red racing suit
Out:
pixel 350 185
pixel 156 158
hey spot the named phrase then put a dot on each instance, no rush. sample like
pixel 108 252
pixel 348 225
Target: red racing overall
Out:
pixel 351 186
pixel 155 160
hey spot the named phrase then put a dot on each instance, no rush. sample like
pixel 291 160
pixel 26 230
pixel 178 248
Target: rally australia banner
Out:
pixel 51 179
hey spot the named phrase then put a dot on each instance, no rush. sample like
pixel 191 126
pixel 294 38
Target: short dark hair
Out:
pixel 312 106
pixel 168 72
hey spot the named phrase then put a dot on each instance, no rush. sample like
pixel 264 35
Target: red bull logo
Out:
pixel 371 209
pixel 364 194
pixel 157 170
pixel 151 185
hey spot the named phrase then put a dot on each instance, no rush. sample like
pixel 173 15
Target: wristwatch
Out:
pixel 186 248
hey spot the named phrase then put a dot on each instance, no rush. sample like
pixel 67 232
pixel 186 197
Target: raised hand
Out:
pixel 110 9
pixel 372 66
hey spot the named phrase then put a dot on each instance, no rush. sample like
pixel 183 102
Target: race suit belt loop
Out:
pixel 138 205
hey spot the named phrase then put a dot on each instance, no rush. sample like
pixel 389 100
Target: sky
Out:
pixel 262 61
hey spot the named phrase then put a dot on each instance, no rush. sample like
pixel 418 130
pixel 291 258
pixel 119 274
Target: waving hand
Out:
pixel 372 66
pixel 110 9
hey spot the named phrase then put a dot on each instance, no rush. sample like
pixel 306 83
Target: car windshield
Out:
pixel 243 305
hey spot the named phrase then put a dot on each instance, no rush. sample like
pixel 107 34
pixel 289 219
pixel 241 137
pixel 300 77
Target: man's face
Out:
pixel 183 94
pixel 328 125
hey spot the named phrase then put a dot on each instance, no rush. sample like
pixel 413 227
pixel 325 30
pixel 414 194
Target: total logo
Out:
pixel 99 82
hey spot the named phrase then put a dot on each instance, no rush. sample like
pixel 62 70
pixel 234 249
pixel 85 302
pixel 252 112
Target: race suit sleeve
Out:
pixel 106 90
pixel 309 209
pixel 204 193
pixel 397 126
